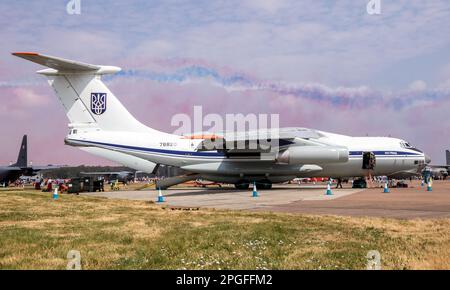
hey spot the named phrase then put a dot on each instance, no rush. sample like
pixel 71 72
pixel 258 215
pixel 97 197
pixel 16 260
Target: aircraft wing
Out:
pixel 264 140
pixel 106 172
pixel 11 168
pixel 45 167
pixel 32 170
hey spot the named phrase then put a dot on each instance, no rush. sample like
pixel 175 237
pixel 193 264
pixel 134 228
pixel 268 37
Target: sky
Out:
pixel 320 64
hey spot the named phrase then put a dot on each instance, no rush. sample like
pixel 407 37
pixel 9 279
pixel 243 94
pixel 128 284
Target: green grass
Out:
pixel 37 232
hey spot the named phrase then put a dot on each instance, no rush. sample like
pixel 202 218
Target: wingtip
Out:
pixel 24 53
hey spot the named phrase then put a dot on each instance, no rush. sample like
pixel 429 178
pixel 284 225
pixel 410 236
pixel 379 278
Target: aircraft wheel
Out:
pixel 266 185
pixel 243 185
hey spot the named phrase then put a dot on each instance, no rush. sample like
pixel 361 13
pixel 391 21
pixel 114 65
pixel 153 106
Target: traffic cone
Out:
pixel 430 184
pixel 386 188
pixel 422 183
pixel 160 196
pixel 329 189
pixel 255 193
pixel 55 194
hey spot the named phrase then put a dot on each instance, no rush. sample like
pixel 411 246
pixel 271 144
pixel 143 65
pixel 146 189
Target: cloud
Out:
pixel 29 98
pixel 19 84
pixel 270 6
pixel 418 85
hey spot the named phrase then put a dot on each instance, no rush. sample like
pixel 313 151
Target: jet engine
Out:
pixel 313 155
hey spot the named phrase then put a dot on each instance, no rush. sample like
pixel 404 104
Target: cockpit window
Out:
pixel 405 145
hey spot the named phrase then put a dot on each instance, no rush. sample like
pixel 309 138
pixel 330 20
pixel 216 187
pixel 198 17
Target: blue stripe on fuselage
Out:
pixel 164 151
pixel 384 153
pixel 219 154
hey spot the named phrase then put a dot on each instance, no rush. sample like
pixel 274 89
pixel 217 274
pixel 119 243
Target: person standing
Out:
pixel 339 183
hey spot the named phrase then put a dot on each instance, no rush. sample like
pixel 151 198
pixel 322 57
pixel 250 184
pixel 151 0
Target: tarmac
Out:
pixel 405 203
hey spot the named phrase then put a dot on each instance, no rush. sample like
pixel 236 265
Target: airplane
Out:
pixel 101 125
pixel 438 171
pixel 12 172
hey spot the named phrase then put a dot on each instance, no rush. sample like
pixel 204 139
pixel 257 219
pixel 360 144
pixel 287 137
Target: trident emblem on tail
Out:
pixel 98 103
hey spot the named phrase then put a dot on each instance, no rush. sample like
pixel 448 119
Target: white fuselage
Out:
pixel 101 125
pixel 168 149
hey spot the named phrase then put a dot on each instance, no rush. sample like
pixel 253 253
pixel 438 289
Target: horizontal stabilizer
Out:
pixel 57 63
pixel 62 65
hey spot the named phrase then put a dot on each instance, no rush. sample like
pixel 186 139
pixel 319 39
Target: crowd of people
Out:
pixel 48 184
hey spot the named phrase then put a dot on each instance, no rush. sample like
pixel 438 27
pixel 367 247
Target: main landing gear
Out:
pixel 242 185
pixel 259 184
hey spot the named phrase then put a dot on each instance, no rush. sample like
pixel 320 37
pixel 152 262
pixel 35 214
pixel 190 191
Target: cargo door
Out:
pixel 369 161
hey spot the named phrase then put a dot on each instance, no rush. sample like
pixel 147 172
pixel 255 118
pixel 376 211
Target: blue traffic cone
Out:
pixel 430 184
pixel 255 192
pixel 160 196
pixel 329 189
pixel 386 188
pixel 55 194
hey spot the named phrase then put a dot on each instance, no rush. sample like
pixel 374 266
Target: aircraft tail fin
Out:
pixel 22 158
pixel 447 155
pixel 86 99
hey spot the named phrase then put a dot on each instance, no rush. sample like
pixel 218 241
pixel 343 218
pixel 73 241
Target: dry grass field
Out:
pixel 37 232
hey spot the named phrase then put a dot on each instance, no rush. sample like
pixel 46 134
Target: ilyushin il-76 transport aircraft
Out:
pixel 100 124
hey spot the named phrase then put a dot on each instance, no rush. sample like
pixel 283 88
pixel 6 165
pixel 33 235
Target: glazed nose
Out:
pixel 427 159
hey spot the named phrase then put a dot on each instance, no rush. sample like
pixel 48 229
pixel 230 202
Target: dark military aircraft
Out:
pixel 439 171
pixel 12 172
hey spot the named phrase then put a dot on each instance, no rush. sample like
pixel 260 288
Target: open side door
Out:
pixel 369 161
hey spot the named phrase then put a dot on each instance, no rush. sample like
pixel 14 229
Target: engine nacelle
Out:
pixel 313 155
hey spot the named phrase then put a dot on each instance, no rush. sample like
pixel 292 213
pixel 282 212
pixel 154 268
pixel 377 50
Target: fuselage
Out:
pixel 9 174
pixel 392 156
pixel 101 125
